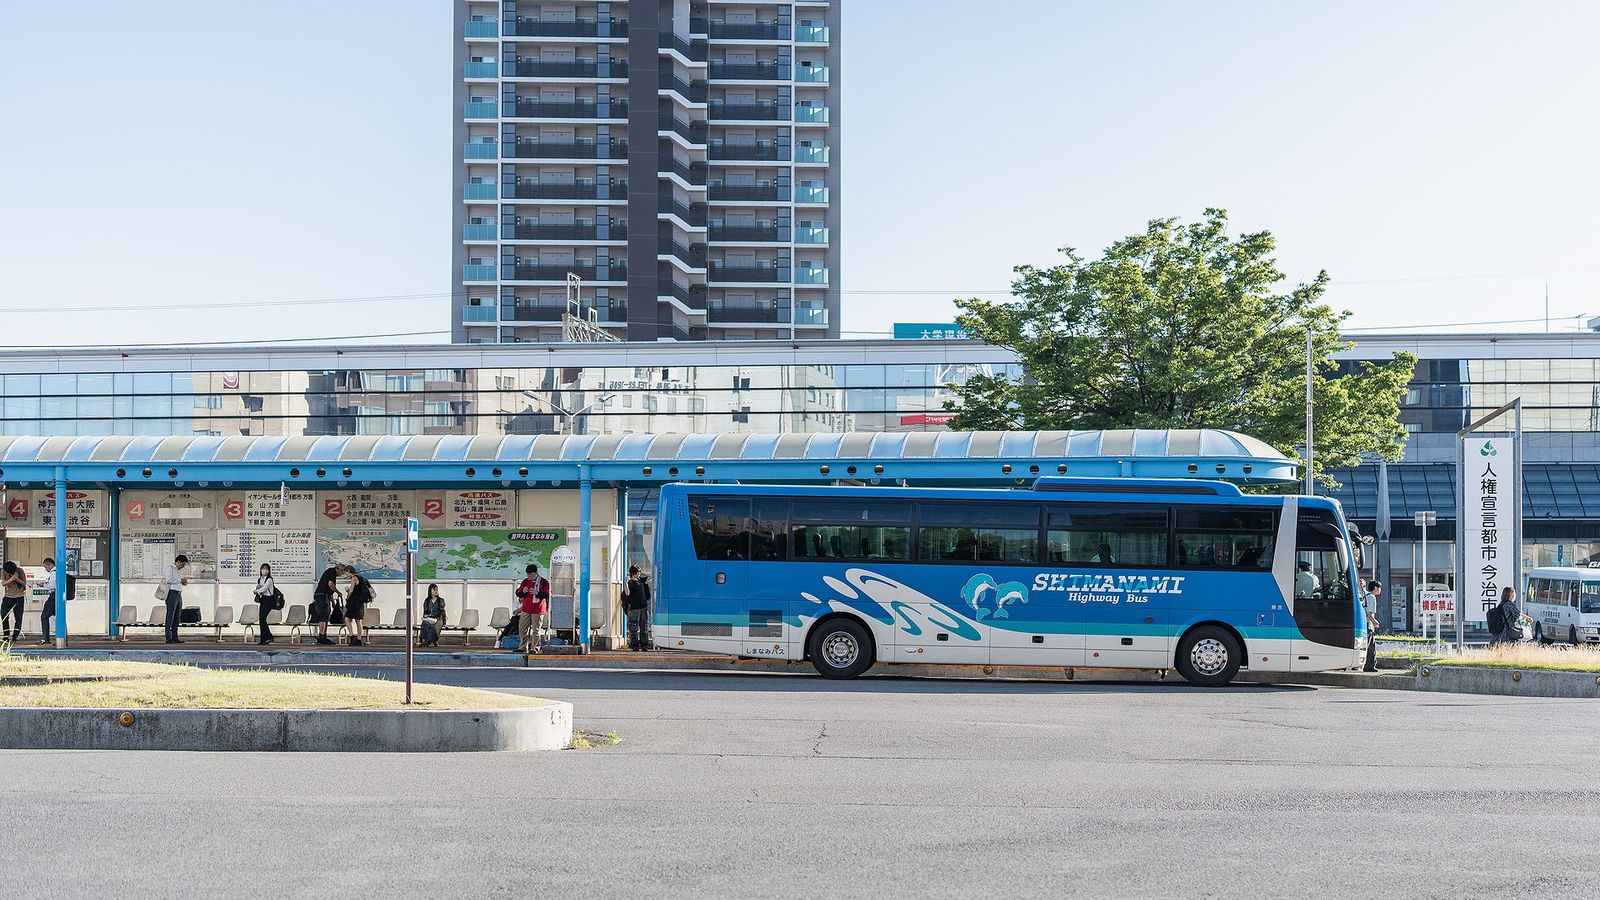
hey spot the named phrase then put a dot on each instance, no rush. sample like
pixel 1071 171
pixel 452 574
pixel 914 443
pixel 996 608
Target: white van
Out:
pixel 1564 604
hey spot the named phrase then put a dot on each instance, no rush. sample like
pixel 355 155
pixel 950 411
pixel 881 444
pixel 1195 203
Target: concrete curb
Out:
pixel 544 727
pixel 1507 682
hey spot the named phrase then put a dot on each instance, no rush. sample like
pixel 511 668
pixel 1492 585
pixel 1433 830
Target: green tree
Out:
pixel 1181 326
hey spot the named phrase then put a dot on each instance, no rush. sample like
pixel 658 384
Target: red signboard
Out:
pixel 17 509
pixel 233 510
pixel 433 508
pixel 136 509
pixel 927 419
pixel 333 509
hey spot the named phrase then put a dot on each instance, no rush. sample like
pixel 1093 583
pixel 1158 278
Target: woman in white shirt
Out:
pixel 265 591
pixel 173 584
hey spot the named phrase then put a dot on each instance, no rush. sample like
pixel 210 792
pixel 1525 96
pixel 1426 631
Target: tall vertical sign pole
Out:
pixel 412 542
pixel 1489 516
pixel 1310 414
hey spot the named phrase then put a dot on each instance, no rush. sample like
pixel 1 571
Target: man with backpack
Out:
pixel 1504 619
pixel 533 601
pixel 636 605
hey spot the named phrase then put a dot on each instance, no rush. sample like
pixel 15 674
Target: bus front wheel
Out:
pixel 1209 656
pixel 841 648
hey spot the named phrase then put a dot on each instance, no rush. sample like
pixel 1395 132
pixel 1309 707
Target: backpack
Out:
pixel 1495 618
pixel 276 599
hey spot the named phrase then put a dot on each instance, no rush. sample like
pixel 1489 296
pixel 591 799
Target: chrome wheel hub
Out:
pixel 1209 656
pixel 840 649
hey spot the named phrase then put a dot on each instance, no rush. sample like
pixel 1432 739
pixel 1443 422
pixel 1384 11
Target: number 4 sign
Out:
pixel 17 509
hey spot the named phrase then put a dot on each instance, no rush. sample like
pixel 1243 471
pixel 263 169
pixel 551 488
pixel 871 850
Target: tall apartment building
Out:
pixel 680 156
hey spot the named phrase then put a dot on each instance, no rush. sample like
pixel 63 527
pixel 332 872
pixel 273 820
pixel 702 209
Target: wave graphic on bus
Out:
pixel 891 603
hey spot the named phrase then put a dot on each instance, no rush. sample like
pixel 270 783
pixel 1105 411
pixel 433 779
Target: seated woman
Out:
pixel 433 617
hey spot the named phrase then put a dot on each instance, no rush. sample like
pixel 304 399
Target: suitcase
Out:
pixel 189 616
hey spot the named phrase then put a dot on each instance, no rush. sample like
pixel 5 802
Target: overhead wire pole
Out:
pixel 1310 414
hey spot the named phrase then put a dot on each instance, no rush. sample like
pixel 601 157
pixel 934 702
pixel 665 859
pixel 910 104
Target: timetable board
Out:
pixel 291 554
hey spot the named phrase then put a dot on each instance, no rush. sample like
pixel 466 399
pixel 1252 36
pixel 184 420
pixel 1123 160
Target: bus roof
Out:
pixel 1590 571
pixel 1127 490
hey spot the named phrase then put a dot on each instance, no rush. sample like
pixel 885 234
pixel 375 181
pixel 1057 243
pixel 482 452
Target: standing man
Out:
pixel 173 584
pixel 50 602
pixel 1369 602
pixel 635 604
pixel 1504 620
pixel 534 594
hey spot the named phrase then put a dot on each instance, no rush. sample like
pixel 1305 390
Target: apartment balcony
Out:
pixel 616 271
pixel 483 29
pixel 806 316
pixel 694 92
pixel 811 276
pixel 578 232
pixel 811 194
pixel 694 215
pixel 480 191
pixel 568 150
pixel 813 115
pixel 478 272
pixel 481 109
pixel 767 232
pixel 760 112
pixel 759 313
pixel 693 132
pixel 769 191
pixel 749 72
pixel 763 150
pixel 572 190
pixel 692 51
pixel 756 31
pixel 582 109
pixel 722 273
pixel 534 68
pixel 590 28
pixel 673 332
pixel 481 70
pixel 479 232
pixel 693 173
pixel 811 34
pixel 479 314
pixel 811 234
pixel 533 312
pixel 694 257
pixel 805 154
pixel 480 150
pixel 811 74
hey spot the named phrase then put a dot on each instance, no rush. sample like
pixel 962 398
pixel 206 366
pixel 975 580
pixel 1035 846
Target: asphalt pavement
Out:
pixel 730 785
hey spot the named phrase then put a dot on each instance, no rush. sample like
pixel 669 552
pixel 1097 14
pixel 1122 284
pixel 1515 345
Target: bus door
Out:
pixel 1589 612
pixel 1324 602
pixel 722 548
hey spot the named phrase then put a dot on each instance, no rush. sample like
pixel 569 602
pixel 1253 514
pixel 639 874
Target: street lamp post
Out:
pixel 1423 520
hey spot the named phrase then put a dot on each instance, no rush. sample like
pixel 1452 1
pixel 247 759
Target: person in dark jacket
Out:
pixel 1510 619
pixel 16 591
pixel 355 604
pixel 433 617
pixel 322 600
pixel 49 611
pixel 636 605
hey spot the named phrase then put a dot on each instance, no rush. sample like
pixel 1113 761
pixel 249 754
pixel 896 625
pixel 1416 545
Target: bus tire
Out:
pixel 1209 656
pixel 1572 636
pixel 841 648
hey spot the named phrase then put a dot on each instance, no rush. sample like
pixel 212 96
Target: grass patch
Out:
pixel 1404 638
pixel 1522 655
pixel 583 740
pixel 128 685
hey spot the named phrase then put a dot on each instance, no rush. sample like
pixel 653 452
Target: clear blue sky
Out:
pixel 173 153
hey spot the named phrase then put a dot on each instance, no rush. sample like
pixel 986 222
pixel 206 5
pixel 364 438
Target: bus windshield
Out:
pixel 1589 600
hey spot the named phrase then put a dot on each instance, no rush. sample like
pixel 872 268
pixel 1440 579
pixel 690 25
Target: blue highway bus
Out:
pixel 1074 572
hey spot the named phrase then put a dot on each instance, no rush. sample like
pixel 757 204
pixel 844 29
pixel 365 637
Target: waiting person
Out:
pixel 173 584
pixel 16 589
pixel 1306 583
pixel 1369 603
pixel 1505 619
pixel 355 604
pixel 534 594
pixel 433 618
pixel 323 597
pixel 49 611
pixel 636 604
pixel 265 592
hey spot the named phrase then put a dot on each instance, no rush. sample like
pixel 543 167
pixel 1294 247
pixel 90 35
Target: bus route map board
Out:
pixel 146 555
pixel 485 554
pixel 292 555
pixel 377 553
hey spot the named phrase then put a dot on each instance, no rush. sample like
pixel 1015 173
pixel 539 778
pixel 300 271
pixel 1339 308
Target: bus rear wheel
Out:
pixel 841 648
pixel 1572 636
pixel 1209 656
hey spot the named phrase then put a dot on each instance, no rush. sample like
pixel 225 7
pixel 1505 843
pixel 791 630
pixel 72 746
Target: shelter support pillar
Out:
pixel 114 570
pixel 60 586
pixel 585 563
pixel 622 522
